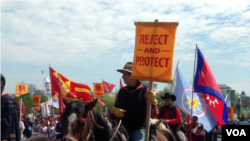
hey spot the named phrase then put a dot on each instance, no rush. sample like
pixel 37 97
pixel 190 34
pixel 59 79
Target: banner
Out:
pixel 36 100
pixel 185 102
pixel 55 102
pixel 108 87
pixel 230 112
pixel 154 51
pixel 23 107
pixel 21 89
pixel 228 99
pixel 46 86
pixel 27 100
pixel 43 110
pixel 70 89
pixel 232 94
pixel 98 90
pixel 204 82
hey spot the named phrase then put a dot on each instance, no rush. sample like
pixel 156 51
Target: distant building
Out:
pixel 146 83
pixel 224 88
pixel 243 94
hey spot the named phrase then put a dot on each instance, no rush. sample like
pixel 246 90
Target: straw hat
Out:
pixel 128 67
pixel 29 116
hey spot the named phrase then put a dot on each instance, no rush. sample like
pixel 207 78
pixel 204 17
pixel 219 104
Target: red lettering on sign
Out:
pixel 166 37
pixel 153 61
pixel 142 39
pixel 146 39
pixel 153 39
pixel 160 40
pixel 152 50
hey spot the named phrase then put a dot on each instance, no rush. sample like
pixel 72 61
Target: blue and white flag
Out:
pixel 183 92
pixel 46 86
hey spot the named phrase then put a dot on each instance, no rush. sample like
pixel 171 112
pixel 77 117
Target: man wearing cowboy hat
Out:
pixel 171 115
pixel 131 103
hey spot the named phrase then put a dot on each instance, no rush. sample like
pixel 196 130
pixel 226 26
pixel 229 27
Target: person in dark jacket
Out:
pixel 213 134
pixel 132 99
pixel 10 116
pixel 171 115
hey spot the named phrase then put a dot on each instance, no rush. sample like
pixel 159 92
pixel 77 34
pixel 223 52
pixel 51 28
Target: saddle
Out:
pixel 122 133
pixel 124 136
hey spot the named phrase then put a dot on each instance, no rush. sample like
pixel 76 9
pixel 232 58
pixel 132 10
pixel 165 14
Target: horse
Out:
pixel 166 130
pixel 81 123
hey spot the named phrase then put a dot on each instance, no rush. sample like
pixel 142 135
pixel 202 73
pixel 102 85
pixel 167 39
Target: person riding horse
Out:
pixel 131 103
pixel 171 115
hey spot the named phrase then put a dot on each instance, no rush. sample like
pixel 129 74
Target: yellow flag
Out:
pixel 21 89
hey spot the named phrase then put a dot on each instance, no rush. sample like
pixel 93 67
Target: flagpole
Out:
pixel 21 109
pixel 45 107
pixel 174 77
pixel 53 106
pixel 193 89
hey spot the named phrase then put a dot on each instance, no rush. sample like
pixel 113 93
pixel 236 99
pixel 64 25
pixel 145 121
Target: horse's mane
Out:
pixel 78 108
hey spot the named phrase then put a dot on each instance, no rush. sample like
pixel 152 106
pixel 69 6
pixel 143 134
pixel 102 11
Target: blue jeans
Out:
pixel 138 135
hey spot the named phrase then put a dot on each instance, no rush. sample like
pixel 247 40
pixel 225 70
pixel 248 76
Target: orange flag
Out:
pixel 70 89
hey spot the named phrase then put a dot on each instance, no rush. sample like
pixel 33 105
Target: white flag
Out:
pixel 46 86
pixel 43 105
pixel 228 98
pixel 55 102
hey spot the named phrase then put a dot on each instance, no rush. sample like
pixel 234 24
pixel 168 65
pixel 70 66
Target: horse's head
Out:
pixel 75 119
pixel 158 123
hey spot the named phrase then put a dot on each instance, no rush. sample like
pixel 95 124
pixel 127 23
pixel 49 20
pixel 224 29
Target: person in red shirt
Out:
pixel 171 115
pixel 190 127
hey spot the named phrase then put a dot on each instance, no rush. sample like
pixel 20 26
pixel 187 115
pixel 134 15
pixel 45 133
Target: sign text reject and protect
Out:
pixel 154 51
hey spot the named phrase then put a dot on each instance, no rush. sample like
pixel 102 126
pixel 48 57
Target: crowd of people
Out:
pixel 130 106
pixel 32 126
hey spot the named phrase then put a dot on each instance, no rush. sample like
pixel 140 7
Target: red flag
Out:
pixel 70 89
pixel 121 86
pixel 188 119
pixel 102 104
pixel 23 107
pixel 108 87
pixel 60 94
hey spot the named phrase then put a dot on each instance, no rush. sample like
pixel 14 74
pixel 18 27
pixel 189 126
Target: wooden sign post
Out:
pixel 153 55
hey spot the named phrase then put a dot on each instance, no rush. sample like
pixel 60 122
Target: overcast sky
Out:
pixel 86 41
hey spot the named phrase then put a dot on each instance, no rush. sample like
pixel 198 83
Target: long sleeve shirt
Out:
pixel 176 120
pixel 154 110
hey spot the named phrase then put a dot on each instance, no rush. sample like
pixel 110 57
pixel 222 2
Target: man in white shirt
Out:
pixel 22 129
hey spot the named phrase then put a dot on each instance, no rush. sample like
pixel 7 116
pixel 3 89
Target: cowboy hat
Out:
pixel 28 116
pixel 128 67
pixel 168 95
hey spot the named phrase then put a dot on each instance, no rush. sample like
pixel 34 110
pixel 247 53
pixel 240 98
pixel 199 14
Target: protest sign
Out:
pixel 21 89
pixel 27 100
pixel 230 112
pixel 153 55
pixel 154 51
pixel 36 100
pixel 98 90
